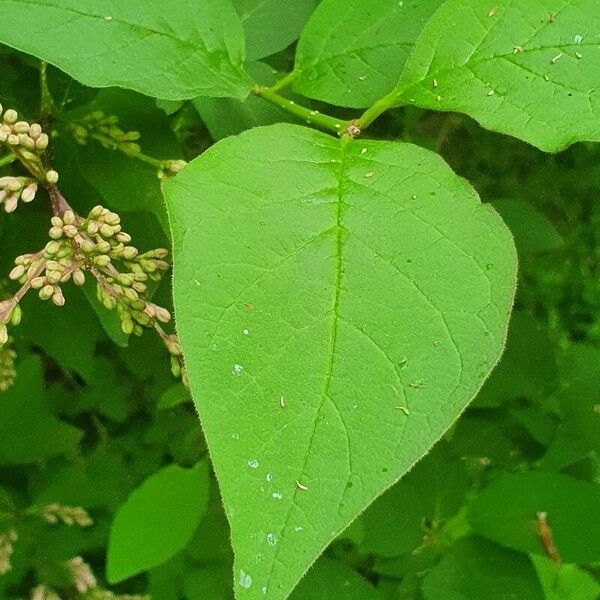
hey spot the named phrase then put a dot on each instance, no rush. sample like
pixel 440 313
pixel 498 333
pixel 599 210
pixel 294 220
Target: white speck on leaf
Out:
pixel 246 332
pixel 108 18
pixel 264 589
pixel 253 463
pixel 237 369
pixel 272 539
pixel 277 495
pixel 298 528
pixel 578 39
pixel 245 580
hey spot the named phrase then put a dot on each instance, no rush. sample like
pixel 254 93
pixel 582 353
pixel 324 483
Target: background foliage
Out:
pixel 95 418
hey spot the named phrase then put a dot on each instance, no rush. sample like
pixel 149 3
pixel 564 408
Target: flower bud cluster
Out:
pixel 13 189
pixel 41 592
pixel 69 515
pixel 177 365
pixel 21 135
pixel 83 577
pixel 105 129
pixel 7 539
pixel 10 314
pixel 7 367
pixel 46 271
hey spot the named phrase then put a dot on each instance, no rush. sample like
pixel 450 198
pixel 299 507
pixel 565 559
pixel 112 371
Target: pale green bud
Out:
pixel 46 292
pixel 55 233
pixel 51 176
pixel 17 272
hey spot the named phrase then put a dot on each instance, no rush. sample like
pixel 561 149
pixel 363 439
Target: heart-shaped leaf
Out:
pixel 529 69
pixel 339 303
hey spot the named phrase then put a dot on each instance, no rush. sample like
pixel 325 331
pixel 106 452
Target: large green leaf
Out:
pixel 272 25
pixel 158 520
pixel 352 52
pixel 171 49
pixel 529 69
pixel 339 303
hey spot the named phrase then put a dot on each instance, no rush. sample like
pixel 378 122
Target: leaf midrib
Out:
pixel 339 229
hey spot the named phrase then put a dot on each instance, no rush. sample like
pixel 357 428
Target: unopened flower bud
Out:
pixel 10 116
pixel 28 194
pixel 46 292
pixel 15 315
pixel 35 130
pixel 41 143
pixel 51 176
pixel 78 277
pixel 55 233
pixel 17 272
pixel 58 298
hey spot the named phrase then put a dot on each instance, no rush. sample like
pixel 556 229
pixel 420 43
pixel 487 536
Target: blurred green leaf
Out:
pixel 532 231
pixel 29 433
pixel 398 521
pixel 474 569
pixel 528 367
pixel 331 580
pixel 580 396
pixel 507 512
pixel 565 582
pixel 157 520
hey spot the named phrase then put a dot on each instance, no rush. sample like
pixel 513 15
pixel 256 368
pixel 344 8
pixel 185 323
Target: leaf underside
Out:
pixel 339 304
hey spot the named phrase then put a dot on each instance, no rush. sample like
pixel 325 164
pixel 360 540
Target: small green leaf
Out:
pixel 272 25
pixel 474 569
pixel 170 49
pixel 316 334
pixel 527 69
pixel 507 512
pixel 157 520
pixel 352 52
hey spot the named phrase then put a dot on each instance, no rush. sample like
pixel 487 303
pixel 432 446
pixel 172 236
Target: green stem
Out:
pixel 376 110
pixel 6 160
pixel 311 117
pixel 283 82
